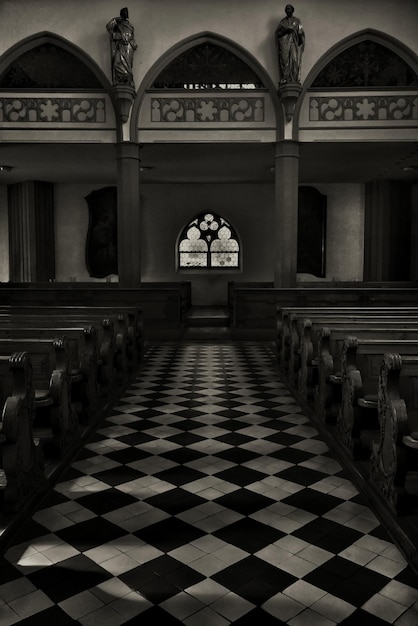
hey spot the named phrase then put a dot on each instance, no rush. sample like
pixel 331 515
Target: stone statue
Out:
pixel 290 41
pixel 123 46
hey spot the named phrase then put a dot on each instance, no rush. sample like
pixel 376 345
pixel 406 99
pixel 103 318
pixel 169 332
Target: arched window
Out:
pixel 208 67
pixel 48 66
pixel 208 242
pixel 366 64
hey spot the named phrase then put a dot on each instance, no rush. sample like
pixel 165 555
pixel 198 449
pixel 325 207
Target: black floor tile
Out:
pixel 169 534
pixel 292 455
pixel 175 501
pixel 8 572
pixel 241 476
pixel 249 535
pixel 182 455
pixel 106 501
pixel 118 475
pixel 302 475
pixel 69 577
pixel 360 617
pixel 312 501
pixel 90 534
pixel 260 617
pixel 53 615
pixel 237 455
pixel 244 501
pixel 179 475
pixel 155 615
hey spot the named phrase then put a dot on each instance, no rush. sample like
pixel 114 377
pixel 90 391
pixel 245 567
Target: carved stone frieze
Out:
pixel 53 110
pixel 372 108
pixel 207 109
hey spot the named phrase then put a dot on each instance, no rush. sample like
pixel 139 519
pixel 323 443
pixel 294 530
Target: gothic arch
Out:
pixel 46 37
pixel 185 45
pixel 368 34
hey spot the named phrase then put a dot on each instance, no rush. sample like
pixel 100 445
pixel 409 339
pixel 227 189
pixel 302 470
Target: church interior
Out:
pixel 209 313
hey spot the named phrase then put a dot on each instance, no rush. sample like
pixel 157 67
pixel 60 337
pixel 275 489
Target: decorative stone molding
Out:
pixel 208 109
pixel 358 108
pixel 53 110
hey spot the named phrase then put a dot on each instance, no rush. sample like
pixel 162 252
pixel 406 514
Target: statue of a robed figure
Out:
pixel 123 46
pixel 290 42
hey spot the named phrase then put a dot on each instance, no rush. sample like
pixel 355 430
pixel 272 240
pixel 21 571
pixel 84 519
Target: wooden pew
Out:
pixel 185 288
pixel 360 367
pixel 127 324
pixel 104 329
pixel 232 285
pixel 326 391
pixel 255 308
pixel 161 307
pixel 395 453
pixel 84 363
pixel 56 423
pixel 22 460
pixel 308 342
pixel 287 329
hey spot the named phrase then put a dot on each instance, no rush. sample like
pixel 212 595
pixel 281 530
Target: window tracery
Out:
pixel 207 67
pixel 207 242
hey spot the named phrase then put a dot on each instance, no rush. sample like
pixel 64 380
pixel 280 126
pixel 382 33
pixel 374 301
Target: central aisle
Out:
pixel 206 499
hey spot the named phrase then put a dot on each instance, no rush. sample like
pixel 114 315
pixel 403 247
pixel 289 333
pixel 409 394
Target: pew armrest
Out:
pixel 411 441
pixel 368 402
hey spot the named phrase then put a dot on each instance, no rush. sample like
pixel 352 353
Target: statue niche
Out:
pixel 102 237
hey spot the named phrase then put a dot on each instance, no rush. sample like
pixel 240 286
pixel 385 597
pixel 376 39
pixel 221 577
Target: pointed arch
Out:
pixel 368 34
pixel 46 37
pixel 208 242
pixel 190 42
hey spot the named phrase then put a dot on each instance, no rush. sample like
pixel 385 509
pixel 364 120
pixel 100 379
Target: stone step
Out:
pixel 207 316
pixel 207 332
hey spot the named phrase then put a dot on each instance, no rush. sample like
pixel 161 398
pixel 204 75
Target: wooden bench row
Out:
pixel 346 366
pixel 61 368
pixel 253 308
pixel 164 305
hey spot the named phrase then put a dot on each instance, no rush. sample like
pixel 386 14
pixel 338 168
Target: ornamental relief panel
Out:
pixel 370 108
pixel 208 109
pixel 53 110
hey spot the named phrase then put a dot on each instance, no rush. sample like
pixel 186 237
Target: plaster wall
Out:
pixel 167 209
pixel 4 235
pixel 345 233
pixel 71 226
pixel 161 25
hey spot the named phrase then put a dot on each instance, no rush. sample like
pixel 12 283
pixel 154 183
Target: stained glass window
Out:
pixel 208 241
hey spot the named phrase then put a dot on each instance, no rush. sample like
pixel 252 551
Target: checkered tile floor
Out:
pixel 206 499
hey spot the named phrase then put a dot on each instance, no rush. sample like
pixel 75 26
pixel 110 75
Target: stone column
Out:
pixel 286 213
pixel 129 222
